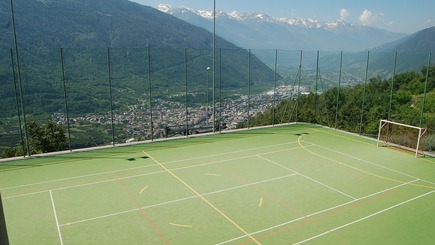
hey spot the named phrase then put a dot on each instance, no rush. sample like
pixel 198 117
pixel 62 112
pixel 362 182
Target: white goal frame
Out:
pixel 421 133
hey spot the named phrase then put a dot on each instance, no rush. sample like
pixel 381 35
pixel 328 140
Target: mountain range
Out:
pixel 261 31
pixel 85 29
pixel 98 23
pixel 258 31
pixel 418 42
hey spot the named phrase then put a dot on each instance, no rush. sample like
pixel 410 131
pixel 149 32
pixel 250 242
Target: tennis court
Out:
pixel 295 184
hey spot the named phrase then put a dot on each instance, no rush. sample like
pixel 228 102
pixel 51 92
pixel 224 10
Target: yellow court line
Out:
pixel 16 168
pixel 143 189
pixel 363 142
pixel 213 174
pixel 261 202
pixel 358 169
pixel 203 198
pixel 179 225
pixel 344 137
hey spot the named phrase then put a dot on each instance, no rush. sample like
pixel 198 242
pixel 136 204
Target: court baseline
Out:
pixel 147 166
pixel 145 174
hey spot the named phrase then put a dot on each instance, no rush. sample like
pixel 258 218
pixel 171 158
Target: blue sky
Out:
pixel 394 15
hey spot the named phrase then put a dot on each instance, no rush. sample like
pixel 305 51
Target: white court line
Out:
pixel 369 162
pixel 364 218
pixel 232 152
pixel 55 217
pixel 178 200
pixel 147 166
pixel 318 182
pixel 316 213
pixel 141 175
pixel 69 178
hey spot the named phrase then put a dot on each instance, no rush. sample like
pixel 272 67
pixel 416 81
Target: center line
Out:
pixel 204 199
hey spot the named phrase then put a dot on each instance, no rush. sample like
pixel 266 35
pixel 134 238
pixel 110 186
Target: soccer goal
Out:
pixel 401 135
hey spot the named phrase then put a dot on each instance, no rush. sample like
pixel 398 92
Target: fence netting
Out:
pixel 109 96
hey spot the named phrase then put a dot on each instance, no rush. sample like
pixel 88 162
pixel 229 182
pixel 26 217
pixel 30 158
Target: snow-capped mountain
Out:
pixel 261 31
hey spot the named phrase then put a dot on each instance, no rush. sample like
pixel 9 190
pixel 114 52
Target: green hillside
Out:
pixel 101 56
pixel 98 24
pixel 85 30
pixel 406 100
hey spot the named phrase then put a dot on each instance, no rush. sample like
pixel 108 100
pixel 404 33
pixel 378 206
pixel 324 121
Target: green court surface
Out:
pixel 295 184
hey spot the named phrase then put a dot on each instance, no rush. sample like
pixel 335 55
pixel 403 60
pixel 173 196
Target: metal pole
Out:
pixel 65 97
pixel 392 86
pixel 207 107
pixel 214 62
pixel 23 109
pixel 425 89
pixel 299 86
pixel 110 94
pixel 274 87
pixel 315 92
pixel 249 86
pixel 150 93
pixel 3 229
pixel 338 91
pixel 364 94
pixel 17 102
pixel 220 89
pixel 185 81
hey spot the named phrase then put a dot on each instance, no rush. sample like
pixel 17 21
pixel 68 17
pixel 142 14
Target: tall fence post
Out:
pixel 249 86
pixel 315 87
pixel 214 64
pixel 65 98
pixel 274 87
pixel 23 109
pixel 220 89
pixel 18 104
pixel 338 89
pixel 392 86
pixel 299 87
pixel 364 94
pixel 109 71
pixel 425 89
pixel 186 101
pixel 150 93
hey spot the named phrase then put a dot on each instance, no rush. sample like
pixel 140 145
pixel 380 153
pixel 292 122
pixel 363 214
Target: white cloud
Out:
pixel 368 17
pixel 344 13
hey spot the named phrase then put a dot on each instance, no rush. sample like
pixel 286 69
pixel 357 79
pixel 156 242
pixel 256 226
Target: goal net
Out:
pixel 401 135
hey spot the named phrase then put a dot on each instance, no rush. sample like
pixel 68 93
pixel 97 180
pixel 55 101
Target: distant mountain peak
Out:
pixel 255 30
pixel 259 17
pixel 165 8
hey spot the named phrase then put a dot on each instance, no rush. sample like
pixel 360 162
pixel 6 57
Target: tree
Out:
pixel 41 139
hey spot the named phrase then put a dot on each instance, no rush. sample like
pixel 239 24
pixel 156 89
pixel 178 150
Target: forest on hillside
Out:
pixel 406 98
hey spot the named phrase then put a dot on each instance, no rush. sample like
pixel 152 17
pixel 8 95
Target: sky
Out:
pixel 403 16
